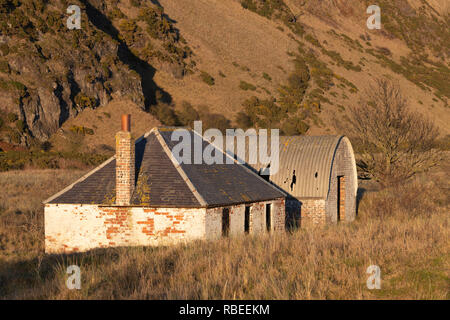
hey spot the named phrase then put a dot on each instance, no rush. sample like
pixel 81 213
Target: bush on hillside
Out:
pixel 165 114
pixel 294 126
pixel 243 120
pixel 393 143
pixel 246 86
pixel 83 101
pixel 263 113
pixel 187 115
pixel 207 78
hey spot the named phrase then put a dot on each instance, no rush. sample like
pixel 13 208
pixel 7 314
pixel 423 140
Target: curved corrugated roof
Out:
pixel 311 157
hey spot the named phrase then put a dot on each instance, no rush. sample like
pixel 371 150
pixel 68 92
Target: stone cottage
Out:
pixel 318 174
pixel 143 196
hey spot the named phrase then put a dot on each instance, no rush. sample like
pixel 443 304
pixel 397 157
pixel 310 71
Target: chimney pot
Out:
pixel 126 122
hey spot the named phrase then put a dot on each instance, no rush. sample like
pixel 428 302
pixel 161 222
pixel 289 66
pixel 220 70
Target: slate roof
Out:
pixel 162 182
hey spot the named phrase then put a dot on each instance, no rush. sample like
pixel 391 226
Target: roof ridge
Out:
pixel 241 164
pixel 180 170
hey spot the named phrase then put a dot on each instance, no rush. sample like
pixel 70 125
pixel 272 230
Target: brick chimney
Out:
pixel 124 163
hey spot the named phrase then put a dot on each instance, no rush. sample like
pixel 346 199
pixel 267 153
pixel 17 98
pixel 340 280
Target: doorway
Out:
pixel 268 217
pixel 341 198
pixel 247 219
pixel 225 222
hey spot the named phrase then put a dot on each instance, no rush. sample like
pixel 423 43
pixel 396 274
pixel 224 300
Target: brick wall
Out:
pixel 341 197
pixel 305 212
pixel 343 165
pixel 70 228
pixel 237 219
pixel 125 167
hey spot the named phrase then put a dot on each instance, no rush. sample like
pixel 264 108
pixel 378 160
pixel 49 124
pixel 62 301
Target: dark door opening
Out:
pixel 269 217
pixel 341 198
pixel 294 180
pixel 225 222
pixel 247 220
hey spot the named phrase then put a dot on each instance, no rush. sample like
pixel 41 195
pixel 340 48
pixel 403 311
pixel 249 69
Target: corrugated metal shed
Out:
pixel 305 165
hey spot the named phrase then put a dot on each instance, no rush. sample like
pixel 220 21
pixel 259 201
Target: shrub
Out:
pixel 4 49
pixel 292 94
pixel 311 39
pixel 81 130
pixel 187 115
pixel 16 160
pixel 18 86
pixel 267 77
pixel 46 146
pixel 246 86
pixel 21 126
pixel 243 120
pixel 12 117
pixel 207 78
pixel 214 120
pixel 14 136
pixel 128 27
pixel 294 126
pixel 393 143
pixel 165 114
pixel 4 66
pixel 83 101
pixel 117 14
pixel 263 113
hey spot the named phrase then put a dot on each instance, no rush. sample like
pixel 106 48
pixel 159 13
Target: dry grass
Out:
pixel 21 209
pixel 404 231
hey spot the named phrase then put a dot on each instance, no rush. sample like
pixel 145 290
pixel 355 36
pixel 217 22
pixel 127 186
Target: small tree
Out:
pixel 393 143
pixel 187 115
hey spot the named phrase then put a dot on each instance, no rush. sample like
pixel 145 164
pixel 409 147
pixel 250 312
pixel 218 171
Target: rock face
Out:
pixel 49 73
pixel 59 96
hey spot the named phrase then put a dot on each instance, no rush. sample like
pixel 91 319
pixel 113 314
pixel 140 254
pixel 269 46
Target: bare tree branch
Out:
pixel 393 143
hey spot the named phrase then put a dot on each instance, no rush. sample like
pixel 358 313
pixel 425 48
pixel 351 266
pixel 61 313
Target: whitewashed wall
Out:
pixel 71 228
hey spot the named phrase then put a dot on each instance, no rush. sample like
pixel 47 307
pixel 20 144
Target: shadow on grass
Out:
pixel 42 276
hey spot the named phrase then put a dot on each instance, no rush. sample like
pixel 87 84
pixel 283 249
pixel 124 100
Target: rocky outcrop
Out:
pixel 49 73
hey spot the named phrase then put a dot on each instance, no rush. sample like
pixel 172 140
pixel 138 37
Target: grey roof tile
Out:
pixel 160 184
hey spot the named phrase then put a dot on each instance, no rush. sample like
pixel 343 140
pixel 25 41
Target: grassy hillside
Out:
pixel 291 64
pixel 314 59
